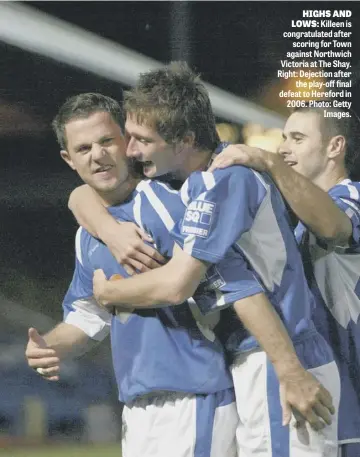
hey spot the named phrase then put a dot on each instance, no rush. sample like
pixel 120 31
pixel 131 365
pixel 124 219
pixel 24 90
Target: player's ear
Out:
pixel 66 157
pixel 336 146
pixel 189 139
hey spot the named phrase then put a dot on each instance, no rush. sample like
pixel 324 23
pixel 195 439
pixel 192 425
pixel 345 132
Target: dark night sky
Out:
pixel 234 45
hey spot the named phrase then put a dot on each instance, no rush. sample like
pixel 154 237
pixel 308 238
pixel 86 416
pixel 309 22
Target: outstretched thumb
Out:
pixel 36 338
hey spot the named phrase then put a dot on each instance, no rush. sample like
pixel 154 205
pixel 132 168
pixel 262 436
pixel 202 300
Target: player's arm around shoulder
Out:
pixel 88 209
pixel 170 284
pixel 312 205
pixel 125 240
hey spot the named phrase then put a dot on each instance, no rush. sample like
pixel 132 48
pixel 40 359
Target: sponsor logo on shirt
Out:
pixel 198 218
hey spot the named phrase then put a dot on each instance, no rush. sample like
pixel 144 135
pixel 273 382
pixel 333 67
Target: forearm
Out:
pixel 313 206
pixel 89 212
pixel 269 331
pixel 147 290
pixel 170 284
pixel 68 340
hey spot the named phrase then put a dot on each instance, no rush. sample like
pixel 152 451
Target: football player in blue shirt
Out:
pixel 317 172
pixel 169 366
pixel 236 223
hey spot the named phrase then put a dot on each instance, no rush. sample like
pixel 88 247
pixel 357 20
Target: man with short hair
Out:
pixel 235 222
pixel 317 172
pixel 169 366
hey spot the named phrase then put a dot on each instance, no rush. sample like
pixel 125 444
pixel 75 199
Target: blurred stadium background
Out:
pixel 49 51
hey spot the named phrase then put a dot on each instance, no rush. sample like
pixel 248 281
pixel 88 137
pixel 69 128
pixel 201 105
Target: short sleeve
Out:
pixel 347 197
pixel 79 306
pixel 220 207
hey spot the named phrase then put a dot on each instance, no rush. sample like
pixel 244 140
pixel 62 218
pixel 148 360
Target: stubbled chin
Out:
pixel 105 183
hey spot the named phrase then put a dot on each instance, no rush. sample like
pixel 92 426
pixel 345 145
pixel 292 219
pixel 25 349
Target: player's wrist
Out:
pixel 271 162
pixel 289 368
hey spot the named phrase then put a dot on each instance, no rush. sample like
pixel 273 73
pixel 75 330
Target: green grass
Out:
pixel 63 451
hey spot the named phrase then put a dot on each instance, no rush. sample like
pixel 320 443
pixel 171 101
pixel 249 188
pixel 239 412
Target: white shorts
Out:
pixel 260 431
pixel 181 425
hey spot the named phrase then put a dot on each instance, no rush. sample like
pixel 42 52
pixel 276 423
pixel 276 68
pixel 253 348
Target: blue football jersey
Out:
pixel 334 277
pixel 154 349
pixel 238 213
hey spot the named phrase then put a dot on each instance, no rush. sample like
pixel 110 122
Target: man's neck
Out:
pixel 119 195
pixel 331 178
pixel 194 161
